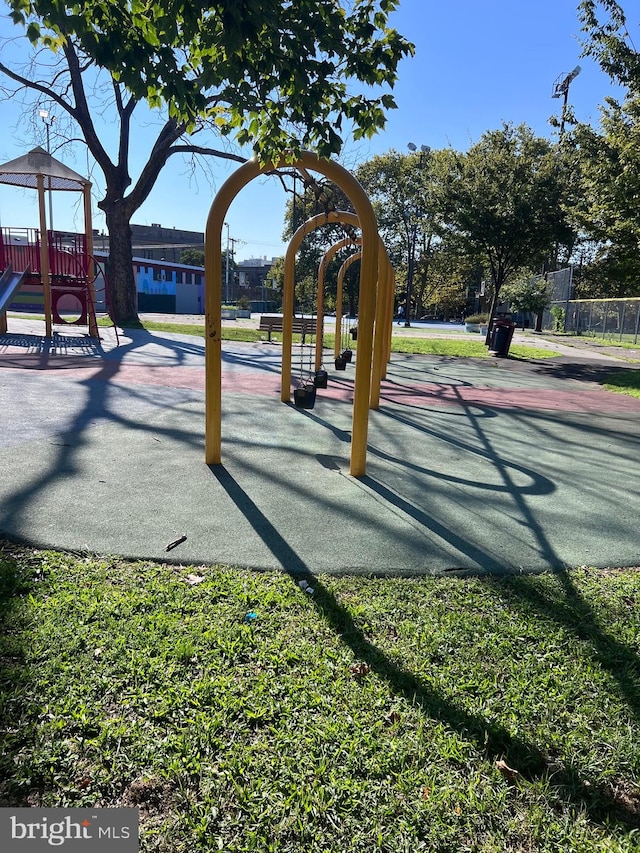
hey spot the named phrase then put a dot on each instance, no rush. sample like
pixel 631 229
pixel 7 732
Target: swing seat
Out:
pixel 347 354
pixel 305 396
pixel 341 363
pixel 320 379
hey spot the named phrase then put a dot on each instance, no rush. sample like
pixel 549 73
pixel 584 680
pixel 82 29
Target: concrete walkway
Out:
pixel 487 465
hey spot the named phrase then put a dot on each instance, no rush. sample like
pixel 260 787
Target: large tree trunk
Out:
pixel 121 285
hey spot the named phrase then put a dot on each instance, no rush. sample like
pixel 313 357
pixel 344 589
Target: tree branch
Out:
pixel 37 87
pixel 205 152
pixel 82 114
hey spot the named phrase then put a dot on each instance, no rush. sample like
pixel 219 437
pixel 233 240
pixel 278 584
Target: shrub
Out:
pixel 559 314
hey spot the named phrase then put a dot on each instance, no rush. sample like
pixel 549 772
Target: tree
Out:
pixel 405 189
pixel 192 257
pixel 505 201
pixel 270 74
pixel 609 42
pixel 608 204
pixel 309 199
pixel 528 293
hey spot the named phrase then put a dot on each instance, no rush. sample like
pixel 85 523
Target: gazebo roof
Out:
pixel 23 172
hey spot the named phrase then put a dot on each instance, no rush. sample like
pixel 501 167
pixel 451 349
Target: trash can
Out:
pixel 501 336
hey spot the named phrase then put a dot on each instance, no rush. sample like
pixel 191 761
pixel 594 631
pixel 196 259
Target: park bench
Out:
pixel 301 325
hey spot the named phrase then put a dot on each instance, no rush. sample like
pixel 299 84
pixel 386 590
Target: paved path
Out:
pixel 473 465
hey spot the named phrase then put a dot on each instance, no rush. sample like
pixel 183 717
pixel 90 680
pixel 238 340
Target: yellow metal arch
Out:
pixel 322 268
pixel 341 274
pixel 382 299
pixel 213 301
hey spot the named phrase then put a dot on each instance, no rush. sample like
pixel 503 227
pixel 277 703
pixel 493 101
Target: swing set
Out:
pixel 344 327
pixel 375 305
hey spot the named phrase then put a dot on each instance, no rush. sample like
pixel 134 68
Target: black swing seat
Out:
pixel 305 396
pixel 320 378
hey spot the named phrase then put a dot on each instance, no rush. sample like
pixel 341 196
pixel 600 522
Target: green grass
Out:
pixel 375 715
pixel 626 343
pixel 624 382
pixel 462 348
pixel 428 346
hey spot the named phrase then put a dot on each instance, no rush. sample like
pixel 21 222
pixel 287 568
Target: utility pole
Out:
pixel 231 251
pixel 48 121
pixel 226 275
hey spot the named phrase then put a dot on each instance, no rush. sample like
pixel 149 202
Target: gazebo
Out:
pixel 68 268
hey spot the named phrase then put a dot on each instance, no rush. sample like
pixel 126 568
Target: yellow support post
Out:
pixel 88 230
pixel 213 307
pixel 384 324
pixel 392 291
pixel 44 260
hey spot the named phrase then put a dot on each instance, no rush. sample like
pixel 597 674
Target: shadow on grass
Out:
pixel 489 737
pixel 575 614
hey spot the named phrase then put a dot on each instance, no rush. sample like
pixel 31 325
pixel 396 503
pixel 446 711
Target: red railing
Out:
pixel 20 248
pixel 68 259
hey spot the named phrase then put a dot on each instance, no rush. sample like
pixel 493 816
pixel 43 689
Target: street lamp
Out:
pixel 413 232
pixel 48 121
pixel 561 90
pixel 226 274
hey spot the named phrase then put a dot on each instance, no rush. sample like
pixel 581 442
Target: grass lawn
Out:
pixel 427 346
pixel 626 343
pixel 240 713
pixel 624 382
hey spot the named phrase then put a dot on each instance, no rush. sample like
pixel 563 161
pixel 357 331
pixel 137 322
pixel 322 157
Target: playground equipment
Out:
pixel 383 296
pixel 304 396
pixel 342 350
pixel 322 269
pixel 366 221
pixel 55 268
pixel 10 284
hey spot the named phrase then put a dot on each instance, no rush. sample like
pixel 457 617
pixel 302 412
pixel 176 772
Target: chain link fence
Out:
pixel 613 319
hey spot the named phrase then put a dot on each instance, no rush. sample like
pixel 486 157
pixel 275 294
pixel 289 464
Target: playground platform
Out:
pixel 494 465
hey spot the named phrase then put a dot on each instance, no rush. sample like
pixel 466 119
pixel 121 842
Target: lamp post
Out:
pixel 561 90
pixel 226 273
pixel 48 121
pixel 412 227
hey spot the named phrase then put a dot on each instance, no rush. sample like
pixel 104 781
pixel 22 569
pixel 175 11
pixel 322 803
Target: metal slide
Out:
pixel 10 282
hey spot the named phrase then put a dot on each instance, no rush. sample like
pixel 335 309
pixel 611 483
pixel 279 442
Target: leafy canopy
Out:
pixel 505 198
pixel 527 292
pixel 608 204
pixel 269 73
pixel 608 41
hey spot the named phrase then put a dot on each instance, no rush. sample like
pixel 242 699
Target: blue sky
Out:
pixel 476 65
